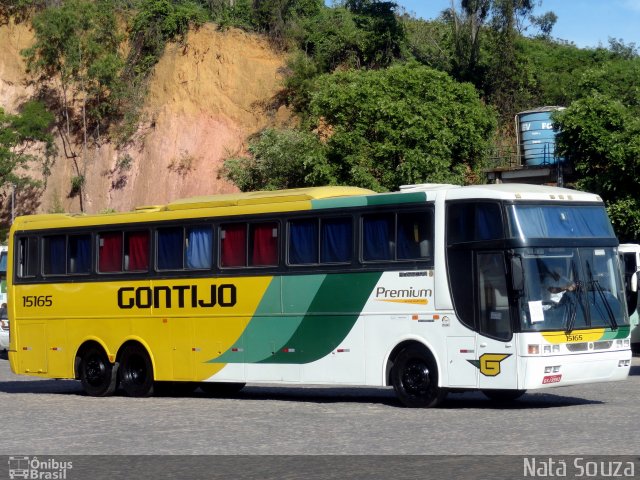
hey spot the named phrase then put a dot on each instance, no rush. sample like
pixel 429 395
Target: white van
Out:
pixel 629 254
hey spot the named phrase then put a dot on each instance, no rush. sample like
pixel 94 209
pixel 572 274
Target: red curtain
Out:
pixel 138 251
pixel 265 244
pixel 110 253
pixel 233 245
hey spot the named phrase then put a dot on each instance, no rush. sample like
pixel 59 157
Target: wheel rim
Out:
pixel 415 378
pixel 95 371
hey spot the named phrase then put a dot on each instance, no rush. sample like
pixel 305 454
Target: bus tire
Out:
pixel 221 389
pixel 414 377
pixel 503 395
pixel 97 375
pixel 136 371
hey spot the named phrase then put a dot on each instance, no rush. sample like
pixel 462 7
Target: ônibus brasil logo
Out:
pixel 34 468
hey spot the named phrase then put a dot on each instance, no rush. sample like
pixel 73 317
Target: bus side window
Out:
pixel 492 294
pixel 377 237
pixel 264 244
pixel 27 257
pixel 170 243
pixel 54 254
pixel 415 235
pixel 233 245
pixel 79 254
pixel 199 248
pixel 336 240
pixel 136 253
pixel 110 252
pixel 303 241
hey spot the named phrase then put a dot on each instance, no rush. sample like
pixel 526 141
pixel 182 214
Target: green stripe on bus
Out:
pixel 395 198
pixel 621 332
pixel 268 330
pixel 340 202
pixel 324 327
pixel 380 199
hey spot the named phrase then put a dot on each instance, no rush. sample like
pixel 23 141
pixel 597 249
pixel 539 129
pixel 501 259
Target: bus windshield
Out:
pixel 571 288
pixel 560 221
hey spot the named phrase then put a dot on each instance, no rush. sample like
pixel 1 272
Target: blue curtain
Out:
pixel 170 249
pixel 55 255
pixel 561 222
pixel 488 222
pixel 80 254
pixel 199 247
pixel 303 242
pixel 376 237
pixel 336 240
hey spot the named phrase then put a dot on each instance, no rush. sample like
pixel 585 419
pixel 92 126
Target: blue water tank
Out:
pixel 536 137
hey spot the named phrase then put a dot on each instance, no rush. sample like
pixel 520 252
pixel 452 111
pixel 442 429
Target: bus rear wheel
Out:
pixel 97 374
pixel 414 377
pixel 136 371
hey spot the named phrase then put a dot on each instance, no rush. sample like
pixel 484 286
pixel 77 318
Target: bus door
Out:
pixel 495 343
pixel 630 265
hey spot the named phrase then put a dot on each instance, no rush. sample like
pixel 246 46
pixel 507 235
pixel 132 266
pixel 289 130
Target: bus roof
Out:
pixel 225 204
pixel 521 191
pixel 299 199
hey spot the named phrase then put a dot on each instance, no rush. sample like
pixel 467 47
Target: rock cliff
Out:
pixel 206 97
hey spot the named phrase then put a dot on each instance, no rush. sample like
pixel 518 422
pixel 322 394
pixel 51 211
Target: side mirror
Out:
pixel 517 273
pixel 634 282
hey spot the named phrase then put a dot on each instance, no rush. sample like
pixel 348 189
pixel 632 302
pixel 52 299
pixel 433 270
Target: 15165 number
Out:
pixel 37 301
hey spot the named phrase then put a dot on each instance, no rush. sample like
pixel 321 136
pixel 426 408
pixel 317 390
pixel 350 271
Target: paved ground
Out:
pixel 54 417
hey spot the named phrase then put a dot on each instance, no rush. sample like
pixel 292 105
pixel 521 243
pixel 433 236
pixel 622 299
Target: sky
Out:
pixel 587 23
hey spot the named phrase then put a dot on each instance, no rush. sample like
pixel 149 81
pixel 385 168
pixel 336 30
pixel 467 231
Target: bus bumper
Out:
pixel 555 371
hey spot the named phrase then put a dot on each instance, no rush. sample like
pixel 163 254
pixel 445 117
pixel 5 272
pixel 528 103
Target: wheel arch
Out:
pixel 391 358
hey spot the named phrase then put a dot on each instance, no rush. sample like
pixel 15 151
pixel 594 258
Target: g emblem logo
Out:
pixel 489 363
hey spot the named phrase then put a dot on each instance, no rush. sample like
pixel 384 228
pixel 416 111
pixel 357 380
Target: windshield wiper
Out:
pixel 576 298
pixel 607 306
pixel 571 311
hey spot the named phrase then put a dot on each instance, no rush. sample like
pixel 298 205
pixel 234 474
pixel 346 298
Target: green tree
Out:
pixel 155 23
pixel 404 124
pixel 467 24
pixel 77 42
pixel 17 134
pixel 429 43
pixel 382 34
pixel 280 159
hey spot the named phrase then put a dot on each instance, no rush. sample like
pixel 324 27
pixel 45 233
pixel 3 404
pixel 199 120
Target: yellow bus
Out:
pixel 431 290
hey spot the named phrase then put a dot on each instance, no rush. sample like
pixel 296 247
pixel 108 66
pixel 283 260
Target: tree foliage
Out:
pixel 405 124
pixel 78 43
pixel 280 159
pixel 156 22
pixel 18 134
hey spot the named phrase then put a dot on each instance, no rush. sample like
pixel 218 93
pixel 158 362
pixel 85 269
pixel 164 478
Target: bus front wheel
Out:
pixel 136 371
pixel 97 374
pixel 414 377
